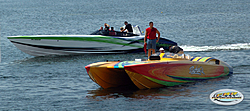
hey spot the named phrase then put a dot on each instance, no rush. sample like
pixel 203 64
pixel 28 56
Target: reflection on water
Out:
pixel 185 90
pixel 158 93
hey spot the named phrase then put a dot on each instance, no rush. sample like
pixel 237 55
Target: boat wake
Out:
pixel 239 46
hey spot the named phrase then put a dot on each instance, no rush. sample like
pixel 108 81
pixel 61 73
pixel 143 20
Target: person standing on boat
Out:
pixel 128 27
pixel 151 38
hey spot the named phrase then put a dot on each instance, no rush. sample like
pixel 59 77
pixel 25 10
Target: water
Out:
pixel 217 28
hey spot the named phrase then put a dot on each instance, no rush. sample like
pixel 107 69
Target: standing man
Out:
pixel 128 27
pixel 150 35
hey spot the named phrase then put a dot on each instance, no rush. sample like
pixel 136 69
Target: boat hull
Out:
pixel 147 76
pixel 108 77
pixel 158 73
pixel 42 45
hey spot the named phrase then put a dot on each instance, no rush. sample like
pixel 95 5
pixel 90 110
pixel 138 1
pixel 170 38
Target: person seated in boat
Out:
pixel 106 26
pixel 112 31
pixel 171 54
pixel 101 28
pixel 128 27
pixel 106 30
pixel 176 50
pixel 162 50
pixel 121 29
pixel 124 32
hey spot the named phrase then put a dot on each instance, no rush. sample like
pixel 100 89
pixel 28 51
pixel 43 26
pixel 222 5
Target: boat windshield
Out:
pixel 136 32
pixel 171 55
pixel 98 32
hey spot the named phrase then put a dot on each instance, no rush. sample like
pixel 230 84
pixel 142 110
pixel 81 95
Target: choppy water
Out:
pixel 217 28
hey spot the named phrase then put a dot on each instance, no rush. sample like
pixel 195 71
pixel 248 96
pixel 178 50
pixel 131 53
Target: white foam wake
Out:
pixel 239 46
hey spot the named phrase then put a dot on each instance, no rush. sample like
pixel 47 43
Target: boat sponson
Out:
pixel 173 73
pixel 108 77
pixel 158 73
pixel 144 82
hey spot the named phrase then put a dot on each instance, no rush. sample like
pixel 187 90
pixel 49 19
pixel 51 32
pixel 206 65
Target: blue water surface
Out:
pixel 220 27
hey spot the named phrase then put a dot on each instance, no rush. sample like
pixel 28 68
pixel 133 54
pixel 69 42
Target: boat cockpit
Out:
pixel 136 32
pixel 165 56
pixel 113 33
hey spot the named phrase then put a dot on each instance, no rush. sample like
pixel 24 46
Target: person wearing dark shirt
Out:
pixel 128 27
pixel 175 50
pixel 112 31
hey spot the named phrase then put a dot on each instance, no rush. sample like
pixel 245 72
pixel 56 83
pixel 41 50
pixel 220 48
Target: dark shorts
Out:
pixel 151 44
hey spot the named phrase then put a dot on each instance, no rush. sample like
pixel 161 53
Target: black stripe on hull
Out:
pixel 99 50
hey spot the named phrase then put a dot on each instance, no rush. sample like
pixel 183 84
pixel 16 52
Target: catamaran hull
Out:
pixel 147 76
pixel 158 73
pixel 108 77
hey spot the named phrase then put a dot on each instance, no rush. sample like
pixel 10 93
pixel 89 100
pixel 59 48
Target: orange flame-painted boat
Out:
pixel 159 71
